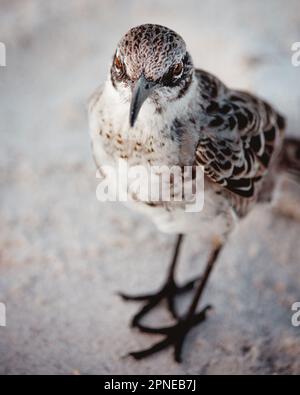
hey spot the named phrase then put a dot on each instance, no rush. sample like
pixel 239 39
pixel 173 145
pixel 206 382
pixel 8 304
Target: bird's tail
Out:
pixel 286 195
pixel 290 157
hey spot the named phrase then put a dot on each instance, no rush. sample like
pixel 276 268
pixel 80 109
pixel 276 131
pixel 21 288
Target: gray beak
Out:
pixel 140 93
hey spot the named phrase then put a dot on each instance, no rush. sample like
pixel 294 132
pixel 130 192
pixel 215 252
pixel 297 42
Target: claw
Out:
pixel 168 292
pixel 155 331
pixel 152 350
pixel 137 298
pixel 174 335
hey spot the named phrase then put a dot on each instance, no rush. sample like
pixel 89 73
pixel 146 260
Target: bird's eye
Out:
pixel 177 69
pixel 118 65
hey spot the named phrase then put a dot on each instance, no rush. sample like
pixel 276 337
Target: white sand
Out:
pixel 63 256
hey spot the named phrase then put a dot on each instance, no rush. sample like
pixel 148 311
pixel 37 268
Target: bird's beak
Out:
pixel 142 89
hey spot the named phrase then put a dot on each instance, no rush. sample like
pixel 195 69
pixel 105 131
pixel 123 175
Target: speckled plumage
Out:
pixel 156 109
pixel 191 120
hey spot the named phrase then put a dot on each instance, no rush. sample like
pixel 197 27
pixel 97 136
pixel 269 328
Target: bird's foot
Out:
pixel 169 291
pixel 174 335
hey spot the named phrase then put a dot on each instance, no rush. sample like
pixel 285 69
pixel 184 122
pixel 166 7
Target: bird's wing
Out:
pixel 240 135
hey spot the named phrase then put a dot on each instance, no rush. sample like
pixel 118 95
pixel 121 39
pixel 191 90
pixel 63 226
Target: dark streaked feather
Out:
pixel 240 137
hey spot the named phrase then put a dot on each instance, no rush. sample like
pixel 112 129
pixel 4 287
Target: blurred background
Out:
pixel 64 256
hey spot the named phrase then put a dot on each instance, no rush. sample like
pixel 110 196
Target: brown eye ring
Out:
pixel 177 69
pixel 118 64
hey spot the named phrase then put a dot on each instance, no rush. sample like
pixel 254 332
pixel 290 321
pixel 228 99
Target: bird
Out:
pixel 157 109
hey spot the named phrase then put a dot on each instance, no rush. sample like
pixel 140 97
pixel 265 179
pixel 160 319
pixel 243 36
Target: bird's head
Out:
pixel 151 61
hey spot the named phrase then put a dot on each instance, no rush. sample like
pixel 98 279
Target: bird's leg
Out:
pixel 168 292
pixel 176 334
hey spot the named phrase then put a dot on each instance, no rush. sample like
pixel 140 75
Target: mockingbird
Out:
pixel 156 109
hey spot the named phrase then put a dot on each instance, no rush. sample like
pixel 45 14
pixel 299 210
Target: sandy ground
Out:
pixel 64 256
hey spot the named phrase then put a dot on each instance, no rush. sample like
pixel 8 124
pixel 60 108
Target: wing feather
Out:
pixel 240 137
